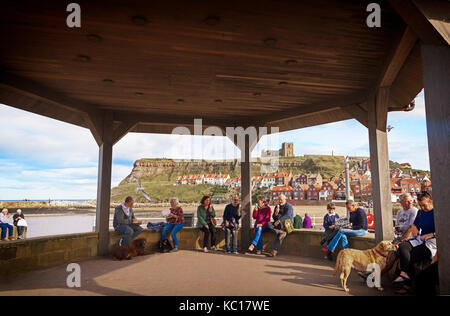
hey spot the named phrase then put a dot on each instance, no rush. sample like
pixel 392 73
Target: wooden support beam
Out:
pixel 49 97
pixel 379 161
pixel 436 78
pixel 358 113
pixel 307 110
pixel 437 12
pixel 412 16
pixel 121 130
pixel 397 57
pixel 104 184
pixel 246 195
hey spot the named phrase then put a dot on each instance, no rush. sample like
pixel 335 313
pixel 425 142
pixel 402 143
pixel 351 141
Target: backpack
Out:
pixel 164 246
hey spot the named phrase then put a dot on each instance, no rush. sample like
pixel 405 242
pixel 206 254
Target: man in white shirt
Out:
pixel 5 226
pixel 407 215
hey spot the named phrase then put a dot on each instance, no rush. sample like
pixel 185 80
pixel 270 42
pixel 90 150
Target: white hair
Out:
pixel 19 210
pixel 404 195
pixel 175 200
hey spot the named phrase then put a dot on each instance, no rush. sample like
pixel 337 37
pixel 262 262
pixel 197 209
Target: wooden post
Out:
pixel 246 195
pixel 104 184
pixel 436 78
pixel 379 165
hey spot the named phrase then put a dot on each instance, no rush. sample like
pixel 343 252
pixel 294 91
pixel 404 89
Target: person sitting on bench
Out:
pixel 125 222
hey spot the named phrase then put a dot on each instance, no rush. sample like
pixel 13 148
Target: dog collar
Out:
pixel 380 253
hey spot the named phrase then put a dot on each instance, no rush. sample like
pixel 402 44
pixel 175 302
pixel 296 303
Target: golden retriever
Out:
pixel 360 259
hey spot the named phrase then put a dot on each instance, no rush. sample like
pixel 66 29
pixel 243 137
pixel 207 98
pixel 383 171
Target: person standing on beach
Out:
pixel 125 222
pixel 5 226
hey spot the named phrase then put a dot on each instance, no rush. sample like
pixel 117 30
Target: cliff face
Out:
pixel 150 170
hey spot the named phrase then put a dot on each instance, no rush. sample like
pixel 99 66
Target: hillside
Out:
pixel 158 175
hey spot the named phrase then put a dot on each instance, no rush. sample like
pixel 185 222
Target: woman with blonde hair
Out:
pixel 175 222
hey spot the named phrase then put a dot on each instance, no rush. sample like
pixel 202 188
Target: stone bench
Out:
pixel 33 253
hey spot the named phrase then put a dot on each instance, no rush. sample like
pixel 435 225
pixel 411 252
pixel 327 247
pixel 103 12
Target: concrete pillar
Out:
pixel 379 164
pixel 246 195
pixel 104 186
pixel 436 79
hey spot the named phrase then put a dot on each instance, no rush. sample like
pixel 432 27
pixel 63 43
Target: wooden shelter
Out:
pixel 150 66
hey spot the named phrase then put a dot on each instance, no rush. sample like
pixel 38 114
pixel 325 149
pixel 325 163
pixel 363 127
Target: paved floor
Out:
pixel 191 273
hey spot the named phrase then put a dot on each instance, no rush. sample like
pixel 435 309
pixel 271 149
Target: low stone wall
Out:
pixel 43 252
pixel 34 253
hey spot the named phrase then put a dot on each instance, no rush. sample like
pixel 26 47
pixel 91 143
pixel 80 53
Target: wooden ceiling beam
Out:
pixel 419 23
pixel 437 12
pixel 397 57
pixel 306 110
pixel 24 86
pixel 358 113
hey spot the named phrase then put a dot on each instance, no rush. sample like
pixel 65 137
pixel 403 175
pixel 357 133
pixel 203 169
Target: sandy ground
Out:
pixel 251 275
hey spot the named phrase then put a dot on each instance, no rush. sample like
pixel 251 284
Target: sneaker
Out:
pixel 235 251
pixel 213 248
pixel 205 249
pixel 174 249
pixel 258 252
pixel 227 250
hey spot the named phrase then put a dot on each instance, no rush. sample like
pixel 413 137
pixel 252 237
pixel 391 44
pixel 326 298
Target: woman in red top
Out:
pixel 261 214
pixel 175 221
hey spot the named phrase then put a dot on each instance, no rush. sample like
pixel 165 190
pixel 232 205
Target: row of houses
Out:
pixel 309 192
pixel 211 178
pixel 313 186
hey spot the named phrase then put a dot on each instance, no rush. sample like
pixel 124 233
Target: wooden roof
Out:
pixel 283 63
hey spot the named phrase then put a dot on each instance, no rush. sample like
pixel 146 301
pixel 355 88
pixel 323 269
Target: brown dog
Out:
pixel 133 249
pixel 360 259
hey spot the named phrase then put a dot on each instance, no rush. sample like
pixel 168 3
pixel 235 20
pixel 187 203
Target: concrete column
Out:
pixel 436 79
pixel 379 164
pixel 104 186
pixel 246 195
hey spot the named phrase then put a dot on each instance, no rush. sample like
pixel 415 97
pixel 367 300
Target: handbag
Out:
pixel 288 226
pixel 22 223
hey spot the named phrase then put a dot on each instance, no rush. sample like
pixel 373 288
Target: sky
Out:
pixel 42 158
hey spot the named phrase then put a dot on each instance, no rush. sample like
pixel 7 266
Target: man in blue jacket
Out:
pixel 358 220
pixel 282 212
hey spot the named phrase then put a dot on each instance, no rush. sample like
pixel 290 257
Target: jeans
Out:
pixel 342 234
pixel 278 231
pixel 175 229
pixel 229 232
pixel 212 231
pixel 20 230
pixel 129 232
pixel 257 239
pixel 4 227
